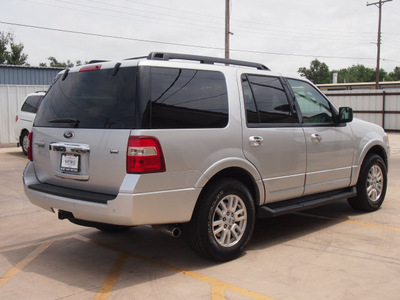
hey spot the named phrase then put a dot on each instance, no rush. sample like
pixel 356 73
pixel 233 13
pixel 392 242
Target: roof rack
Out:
pixel 205 59
pixel 96 61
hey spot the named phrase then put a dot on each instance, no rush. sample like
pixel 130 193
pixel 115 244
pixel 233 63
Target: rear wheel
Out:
pixel 25 142
pixel 223 221
pixel 371 185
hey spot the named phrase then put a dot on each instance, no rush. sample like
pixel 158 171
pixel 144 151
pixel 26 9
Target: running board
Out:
pixel 289 206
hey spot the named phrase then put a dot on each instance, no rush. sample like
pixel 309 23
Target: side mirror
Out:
pixel 345 114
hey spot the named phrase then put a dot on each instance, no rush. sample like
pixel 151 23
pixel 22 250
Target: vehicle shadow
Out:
pixel 82 261
pixel 12 152
pixel 273 231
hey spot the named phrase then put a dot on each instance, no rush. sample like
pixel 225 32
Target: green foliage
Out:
pixel 4 38
pixel 317 73
pixel 57 64
pixel 11 53
pixel 359 73
pixel 394 76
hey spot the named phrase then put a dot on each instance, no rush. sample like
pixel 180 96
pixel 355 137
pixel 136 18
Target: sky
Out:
pixel 283 35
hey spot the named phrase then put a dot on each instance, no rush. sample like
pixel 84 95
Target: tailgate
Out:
pixel 94 161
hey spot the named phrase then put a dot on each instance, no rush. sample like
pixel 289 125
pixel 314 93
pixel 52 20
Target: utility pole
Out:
pixel 227 17
pixel 379 40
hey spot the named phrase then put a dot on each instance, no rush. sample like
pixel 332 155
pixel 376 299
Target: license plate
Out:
pixel 70 163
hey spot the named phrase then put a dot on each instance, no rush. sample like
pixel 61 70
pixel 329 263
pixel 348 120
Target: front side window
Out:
pixel 183 98
pixel 313 106
pixel 265 100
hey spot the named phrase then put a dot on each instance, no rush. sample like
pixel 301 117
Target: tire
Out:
pixel 223 221
pixel 24 142
pixel 371 185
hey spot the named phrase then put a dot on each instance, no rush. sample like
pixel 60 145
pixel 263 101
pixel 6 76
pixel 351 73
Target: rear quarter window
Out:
pixel 181 98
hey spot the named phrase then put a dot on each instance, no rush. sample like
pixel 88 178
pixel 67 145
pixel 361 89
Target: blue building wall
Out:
pixel 22 75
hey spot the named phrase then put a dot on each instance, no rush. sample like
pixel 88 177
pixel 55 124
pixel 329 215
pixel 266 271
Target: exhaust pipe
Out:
pixel 171 230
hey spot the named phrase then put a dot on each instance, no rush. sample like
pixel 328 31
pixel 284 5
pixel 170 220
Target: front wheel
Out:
pixel 371 185
pixel 223 221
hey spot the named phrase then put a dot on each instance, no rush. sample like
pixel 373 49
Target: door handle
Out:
pixel 255 141
pixel 316 138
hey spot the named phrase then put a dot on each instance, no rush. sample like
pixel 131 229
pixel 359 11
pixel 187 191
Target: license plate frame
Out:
pixel 70 162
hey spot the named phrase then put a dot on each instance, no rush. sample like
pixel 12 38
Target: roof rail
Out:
pixel 96 61
pixel 205 59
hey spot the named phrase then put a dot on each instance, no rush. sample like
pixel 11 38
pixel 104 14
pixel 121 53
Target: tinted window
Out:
pixel 313 106
pixel 31 104
pixel 266 100
pixel 96 99
pixel 182 98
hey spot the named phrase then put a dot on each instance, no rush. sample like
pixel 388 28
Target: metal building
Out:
pixel 22 75
pixel 15 83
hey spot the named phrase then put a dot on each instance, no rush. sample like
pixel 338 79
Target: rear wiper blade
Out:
pixel 66 120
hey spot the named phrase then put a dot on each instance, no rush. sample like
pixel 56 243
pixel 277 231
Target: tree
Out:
pixel 58 64
pixel 11 53
pixel 317 73
pixel 4 39
pixel 16 56
pixel 55 63
pixel 395 75
pixel 359 73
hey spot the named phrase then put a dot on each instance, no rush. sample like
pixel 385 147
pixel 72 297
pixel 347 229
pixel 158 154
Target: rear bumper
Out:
pixel 162 207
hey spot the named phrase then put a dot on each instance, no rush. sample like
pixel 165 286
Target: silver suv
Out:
pixel 197 143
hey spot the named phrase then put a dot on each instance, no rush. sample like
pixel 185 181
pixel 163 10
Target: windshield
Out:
pixel 93 99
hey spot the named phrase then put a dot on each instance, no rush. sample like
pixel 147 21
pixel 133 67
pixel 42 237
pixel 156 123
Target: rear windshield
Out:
pixel 93 99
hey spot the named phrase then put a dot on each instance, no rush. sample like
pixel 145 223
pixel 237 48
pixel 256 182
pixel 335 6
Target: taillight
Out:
pixel 30 154
pixel 144 155
pixel 16 118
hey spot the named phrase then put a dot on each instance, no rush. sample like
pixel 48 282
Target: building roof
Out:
pixel 26 75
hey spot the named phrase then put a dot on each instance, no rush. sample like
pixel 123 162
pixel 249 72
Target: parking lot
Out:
pixel 331 252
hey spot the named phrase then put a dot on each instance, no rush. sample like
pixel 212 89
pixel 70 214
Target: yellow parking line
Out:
pixel 218 287
pixel 217 291
pixel 112 277
pixel 24 262
pixel 350 221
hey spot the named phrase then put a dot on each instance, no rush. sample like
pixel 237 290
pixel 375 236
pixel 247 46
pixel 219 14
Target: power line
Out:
pixel 175 44
pixel 106 36
pixel 139 10
pixel 294 33
pixel 146 17
pixel 206 24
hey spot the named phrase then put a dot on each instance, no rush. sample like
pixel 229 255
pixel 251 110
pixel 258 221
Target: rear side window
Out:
pixel 93 99
pixel 266 100
pixel 181 98
pixel 31 104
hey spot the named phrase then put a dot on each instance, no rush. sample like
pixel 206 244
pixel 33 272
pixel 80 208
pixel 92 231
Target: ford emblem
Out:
pixel 69 134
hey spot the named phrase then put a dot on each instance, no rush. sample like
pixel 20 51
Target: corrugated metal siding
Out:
pixel 371 105
pixel 11 98
pixel 20 75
